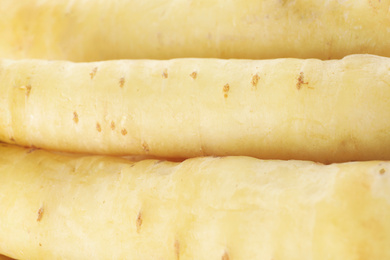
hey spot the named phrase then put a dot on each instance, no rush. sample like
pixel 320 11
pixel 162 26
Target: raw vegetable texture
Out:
pixel 93 207
pixel 94 30
pixel 324 111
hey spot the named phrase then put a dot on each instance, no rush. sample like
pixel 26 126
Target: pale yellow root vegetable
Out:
pixel 67 207
pixel 326 111
pixel 94 30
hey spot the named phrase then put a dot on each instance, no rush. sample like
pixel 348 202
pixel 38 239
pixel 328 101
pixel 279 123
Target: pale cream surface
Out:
pixel 326 111
pixel 56 206
pixel 93 30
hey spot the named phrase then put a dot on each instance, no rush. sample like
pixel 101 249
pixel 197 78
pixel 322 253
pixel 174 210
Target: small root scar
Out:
pixel 177 249
pixel 225 256
pixel 145 146
pixel 301 81
pixel 27 89
pixel 194 75
pixel 382 171
pixel 138 222
pixel 159 161
pixel 124 131
pixel 112 125
pixel 98 127
pixel 254 81
pixel 93 72
pixel 75 117
pixel 32 149
pixel 164 74
pixel 121 82
pixel 225 90
pixel 40 214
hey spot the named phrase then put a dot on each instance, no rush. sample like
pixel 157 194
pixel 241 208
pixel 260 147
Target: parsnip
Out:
pixel 68 207
pixel 94 30
pixel 326 111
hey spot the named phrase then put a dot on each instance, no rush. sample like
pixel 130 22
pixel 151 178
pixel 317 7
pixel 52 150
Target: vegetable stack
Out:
pixel 248 130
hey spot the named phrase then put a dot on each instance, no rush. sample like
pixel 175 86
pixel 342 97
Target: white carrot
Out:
pixel 94 30
pixel 72 207
pixel 326 111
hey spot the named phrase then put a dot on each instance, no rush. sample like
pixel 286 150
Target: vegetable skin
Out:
pixel 94 30
pixel 324 111
pixel 55 206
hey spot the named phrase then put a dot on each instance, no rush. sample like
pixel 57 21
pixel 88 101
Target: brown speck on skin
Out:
pixel 145 146
pixel 40 214
pixel 27 88
pixel 301 81
pixel 124 131
pixel 194 75
pixel 139 222
pixel 32 150
pixel 165 73
pixel 98 127
pixel 226 89
pixel 75 117
pixel 177 249
pixel 112 125
pixel 159 161
pixel 225 256
pixel 382 171
pixel 255 80
pixel 40 244
pixel 12 139
pixel 121 82
pixel 93 72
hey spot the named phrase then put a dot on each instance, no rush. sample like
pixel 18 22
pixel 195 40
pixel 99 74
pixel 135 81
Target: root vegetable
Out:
pixel 94 30
pixel 92 207
pixel 325 111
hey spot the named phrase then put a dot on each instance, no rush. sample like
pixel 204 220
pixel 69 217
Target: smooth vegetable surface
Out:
pixel 94 30
pixel 326 111
pixel 73 207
